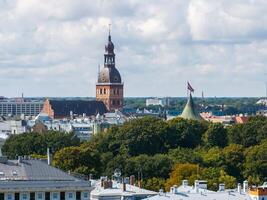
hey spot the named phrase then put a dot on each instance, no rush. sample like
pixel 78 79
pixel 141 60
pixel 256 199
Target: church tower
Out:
pixel 109 87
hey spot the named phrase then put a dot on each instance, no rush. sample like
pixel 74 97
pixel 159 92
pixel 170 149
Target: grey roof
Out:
pixel 32 170
pixel 109 75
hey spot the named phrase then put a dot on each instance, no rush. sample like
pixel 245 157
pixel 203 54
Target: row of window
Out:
pixel 106 91
pixel 45 196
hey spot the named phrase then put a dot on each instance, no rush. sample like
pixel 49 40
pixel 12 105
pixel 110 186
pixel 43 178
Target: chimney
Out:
pixel 221 187
pixel 175 189
pixel 19 159
pixel 106 184
pixel 48 157
pixel 196 185
pixel 102 182
pixel 110 184
pixel 132 180
pixel 123 185
pixel 239 188
pixel 140 184
pixel 185 183
pixel 245 186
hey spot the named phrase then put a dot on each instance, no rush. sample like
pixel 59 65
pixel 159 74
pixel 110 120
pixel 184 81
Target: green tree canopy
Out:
pixel 216 135
pixel 34 143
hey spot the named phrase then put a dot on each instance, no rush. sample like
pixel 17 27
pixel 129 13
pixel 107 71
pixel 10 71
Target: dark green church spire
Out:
pixel 190 111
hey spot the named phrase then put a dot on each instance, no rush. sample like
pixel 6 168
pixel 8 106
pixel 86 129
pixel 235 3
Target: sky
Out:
pixel 53 48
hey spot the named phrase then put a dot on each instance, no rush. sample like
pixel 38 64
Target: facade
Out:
pixel 157 102
pixel 68 108
pixel 109 87
pixel 9 127
pixel 19 107
pixel 27 179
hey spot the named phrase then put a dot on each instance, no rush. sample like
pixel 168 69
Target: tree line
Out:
pixel 163 152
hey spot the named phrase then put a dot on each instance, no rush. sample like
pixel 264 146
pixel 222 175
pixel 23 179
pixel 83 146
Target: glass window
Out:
pixel 85 195
pixel 70 195
pixel 24 196
pixel 54 195
pixel 9 196
pixel 40 196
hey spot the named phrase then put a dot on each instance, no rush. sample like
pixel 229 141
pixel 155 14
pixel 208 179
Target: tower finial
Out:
pixel 109 36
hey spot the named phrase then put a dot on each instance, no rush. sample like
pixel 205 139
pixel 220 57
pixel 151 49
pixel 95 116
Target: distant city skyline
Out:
pixel 53 48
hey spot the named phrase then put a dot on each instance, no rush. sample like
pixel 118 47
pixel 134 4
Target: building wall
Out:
pixel 111 95
pixel 40 195
pixel 47 108
pixel 20 108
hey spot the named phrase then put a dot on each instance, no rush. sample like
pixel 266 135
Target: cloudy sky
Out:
pixel 54 47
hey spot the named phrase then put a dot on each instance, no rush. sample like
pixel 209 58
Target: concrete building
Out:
pixel 109 86
pixel 20 107
pixel 28 179
pixel 157 102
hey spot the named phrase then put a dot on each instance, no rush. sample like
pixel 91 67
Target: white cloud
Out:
pixel 51 48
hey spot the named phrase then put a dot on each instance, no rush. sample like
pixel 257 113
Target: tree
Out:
pixel 187 133
pixel 181 172
pixel 185 155
pixel 77 159
pixel 211 157
pixel 216 135
pixel 34 143
pixel 233 159
pixel 154 184
pixel 256 162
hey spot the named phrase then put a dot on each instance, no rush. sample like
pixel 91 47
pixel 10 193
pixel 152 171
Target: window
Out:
pixel 70 195
pixel 17 196
pixel 62 195
pixel 101 91
pixel 32 196
pixel 2 196
pixel 54 195
pixel 40 196
pixel 85 195
pixel 24 196
pixel 9 196
pixel 78 195
pixel 47 196
pixel 104 90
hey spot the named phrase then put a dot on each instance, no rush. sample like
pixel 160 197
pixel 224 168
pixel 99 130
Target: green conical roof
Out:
pixel 189 111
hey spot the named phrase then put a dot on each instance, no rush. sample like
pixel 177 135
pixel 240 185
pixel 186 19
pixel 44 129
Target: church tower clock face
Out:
pixel 109 87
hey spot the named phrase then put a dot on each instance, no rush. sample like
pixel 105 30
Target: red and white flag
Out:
pixel 189 87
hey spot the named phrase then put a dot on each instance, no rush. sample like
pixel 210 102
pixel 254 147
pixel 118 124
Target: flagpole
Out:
pixel 187 89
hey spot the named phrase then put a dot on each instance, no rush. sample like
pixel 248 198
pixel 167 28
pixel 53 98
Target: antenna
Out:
pixel 109 27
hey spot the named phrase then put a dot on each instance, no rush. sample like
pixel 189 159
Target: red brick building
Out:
pixel 109 87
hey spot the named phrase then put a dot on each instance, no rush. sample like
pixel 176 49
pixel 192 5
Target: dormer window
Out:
pixel 15 173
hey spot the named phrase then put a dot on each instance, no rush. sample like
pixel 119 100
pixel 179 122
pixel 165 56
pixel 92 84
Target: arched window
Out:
pixel 101 91
pixel 104 90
